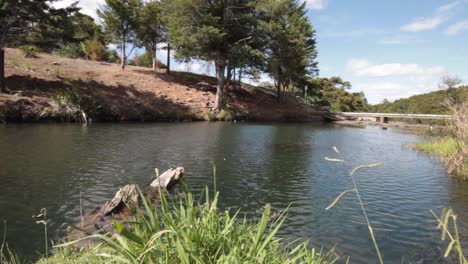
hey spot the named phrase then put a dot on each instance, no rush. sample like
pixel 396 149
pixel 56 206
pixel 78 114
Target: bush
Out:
pixel 94 50
pixel 70 50
pixel 29 51
pixel 145 60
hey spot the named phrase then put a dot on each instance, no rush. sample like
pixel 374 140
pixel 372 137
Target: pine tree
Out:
pixel 216 31
pixel 150 29
pixel 290 42
pixel 121 19
pixel 17 18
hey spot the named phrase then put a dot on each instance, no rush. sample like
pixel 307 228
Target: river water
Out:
pixel 51 166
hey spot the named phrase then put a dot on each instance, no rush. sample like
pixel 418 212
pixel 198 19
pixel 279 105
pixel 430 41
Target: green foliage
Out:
pixel 145 60
pixel 290 42
pixel 112 56
pixel 219 31
pixel 29 51
pixel 187 231
pixel 121 21
pixel 430 103
pixel 93 49
pixel 438 146
pixel 331 93
pixel 18 17
pixel 70 50
pixel 150 29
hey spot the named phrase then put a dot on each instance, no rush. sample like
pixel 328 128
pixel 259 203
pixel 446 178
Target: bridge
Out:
pixel 381 117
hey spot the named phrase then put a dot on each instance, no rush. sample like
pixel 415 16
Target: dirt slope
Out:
pixel 107 93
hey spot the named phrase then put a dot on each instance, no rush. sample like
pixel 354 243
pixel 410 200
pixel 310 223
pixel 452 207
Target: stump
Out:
pixel 120 208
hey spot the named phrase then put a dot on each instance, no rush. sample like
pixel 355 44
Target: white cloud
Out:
pixel 393 80
pixel 421 24
pixel 88 7
pixel 450 6
pixel 457 28
pixel 316 4
pixel 363 68
pixel 442 14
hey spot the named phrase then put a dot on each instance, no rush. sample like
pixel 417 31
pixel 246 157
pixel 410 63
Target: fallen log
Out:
pixel 120 208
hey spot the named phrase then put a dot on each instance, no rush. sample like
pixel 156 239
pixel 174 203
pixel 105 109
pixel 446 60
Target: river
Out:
pixel 51 166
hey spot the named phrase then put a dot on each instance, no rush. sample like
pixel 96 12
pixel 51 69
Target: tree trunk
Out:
pixel 220 102
pixel 278 92
pixel 124 55
pixel 229 76
pixel 168 58
pixel 155 59
pixel 240 78
pixel 2 71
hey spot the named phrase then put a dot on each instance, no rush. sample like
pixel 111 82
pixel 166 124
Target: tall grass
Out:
pixel 358 195
pixel 190 231
pixel 6 255
pixel 448 225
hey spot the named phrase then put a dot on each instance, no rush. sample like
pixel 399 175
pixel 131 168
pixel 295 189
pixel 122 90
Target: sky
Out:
pixel 387 49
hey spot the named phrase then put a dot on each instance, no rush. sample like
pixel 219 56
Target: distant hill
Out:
pixel 429 103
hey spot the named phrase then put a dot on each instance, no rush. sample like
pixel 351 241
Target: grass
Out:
pixel 438 146
pixel 190 231
pixel 452 148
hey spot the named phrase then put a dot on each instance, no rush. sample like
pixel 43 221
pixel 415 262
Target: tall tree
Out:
pixel 291 45
pixel 150 29
pixel 212 31
pixel 17 18
pixel 120 19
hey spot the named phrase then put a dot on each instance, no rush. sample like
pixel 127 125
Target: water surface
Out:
pixel 52 166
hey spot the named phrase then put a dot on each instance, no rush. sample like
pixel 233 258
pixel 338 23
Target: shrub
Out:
pixel 70 50
pixel 29 51
pixel 94 50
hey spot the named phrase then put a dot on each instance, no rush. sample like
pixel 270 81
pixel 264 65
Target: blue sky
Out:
pixel 388 49
pixel 391 49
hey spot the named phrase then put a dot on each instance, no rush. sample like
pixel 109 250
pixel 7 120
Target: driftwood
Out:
pixel 120 208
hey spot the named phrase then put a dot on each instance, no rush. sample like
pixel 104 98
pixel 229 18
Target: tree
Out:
pixel 120 19
pixel 212 31
pixel 449 82
pixel 290 42
pixel 17 17
pixel 331 92
pixel 150 29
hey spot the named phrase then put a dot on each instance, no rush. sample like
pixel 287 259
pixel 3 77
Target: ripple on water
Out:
pixel 281 164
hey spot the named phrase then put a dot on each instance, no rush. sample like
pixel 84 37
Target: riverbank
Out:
pixel 451 151
pixel 451 145
pixel 53 88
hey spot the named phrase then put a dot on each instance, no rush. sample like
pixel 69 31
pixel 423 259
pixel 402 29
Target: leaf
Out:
pixel 124 232
pixel 337 199
pixel 449 248
pixel 336 149
pixel 365 166
pixel 334 160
